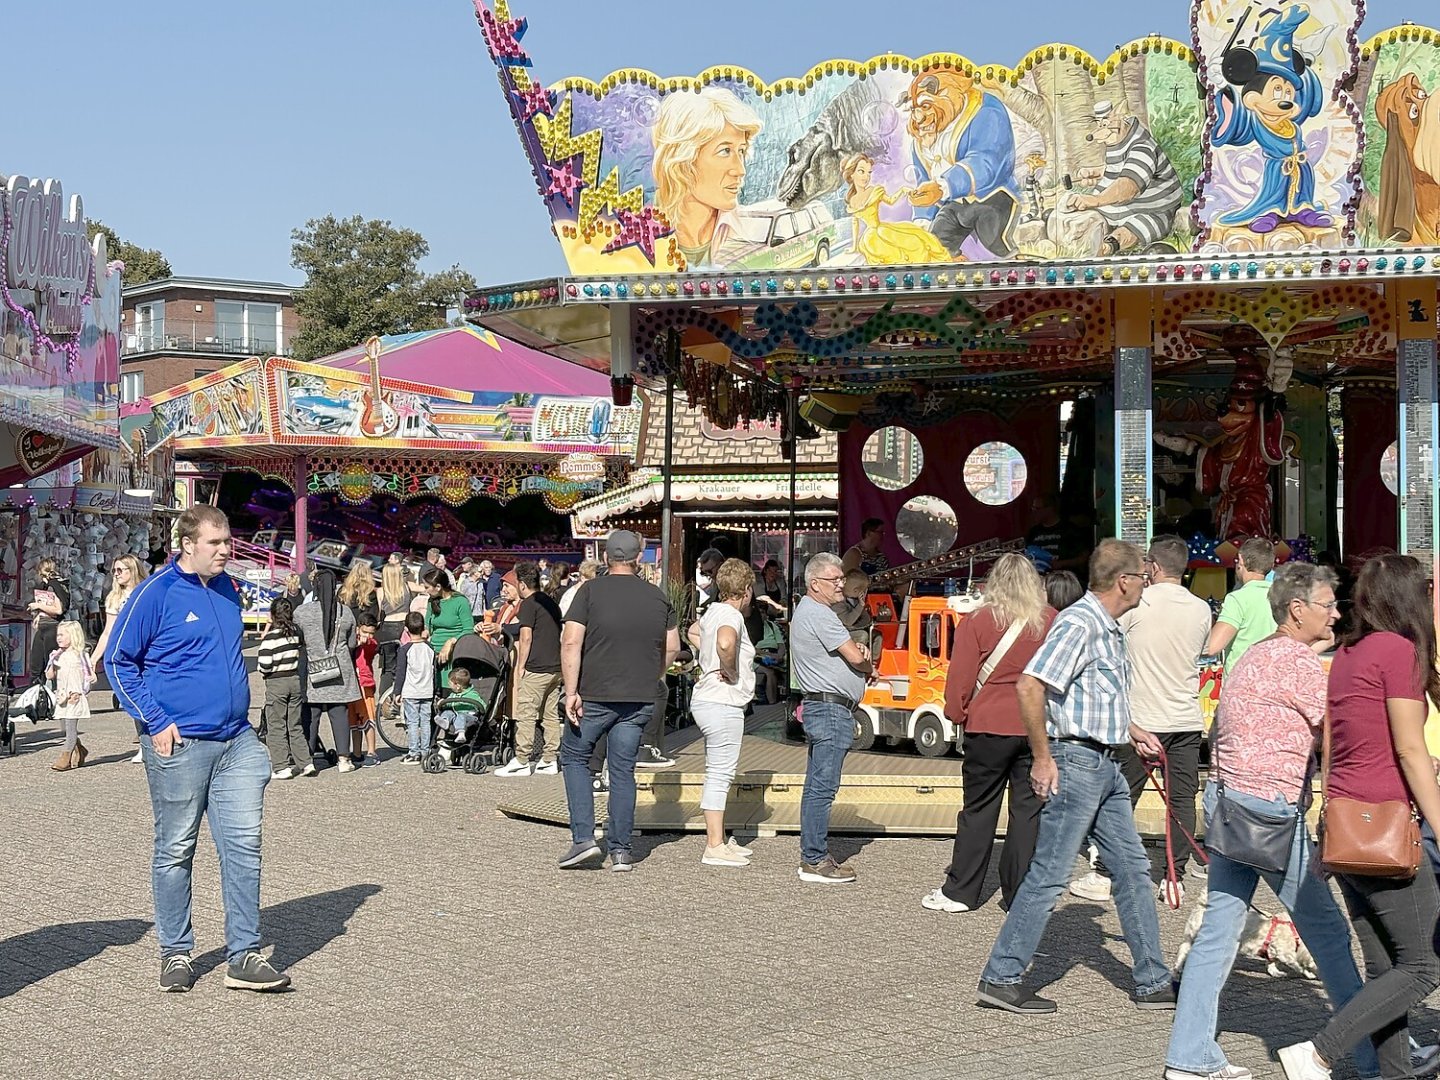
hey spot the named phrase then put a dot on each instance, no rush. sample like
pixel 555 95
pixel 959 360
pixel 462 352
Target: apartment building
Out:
pixel 179 327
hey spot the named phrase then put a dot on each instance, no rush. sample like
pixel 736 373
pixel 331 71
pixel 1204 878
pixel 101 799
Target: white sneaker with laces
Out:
pixel 515 767
pixel 936 900
pixel 346 765
pixel 739 848
pixel 286 773
pixel 309 769
pixel 723 856
pixel 1299 1063
pixel 548 768
pixel 1092 886
pixel 1229 1072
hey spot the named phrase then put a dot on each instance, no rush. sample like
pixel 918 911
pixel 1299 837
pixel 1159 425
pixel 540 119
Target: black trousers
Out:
pixel 1182 752
pixel 993 763
pixel 987 220
pixel 339 727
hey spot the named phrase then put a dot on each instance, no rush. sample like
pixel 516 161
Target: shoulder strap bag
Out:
pixel 324 670
pixel 1262 839
pixel 1366 839
pixel 1012 635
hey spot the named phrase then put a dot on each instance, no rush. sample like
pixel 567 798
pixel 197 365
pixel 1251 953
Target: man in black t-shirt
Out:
pixel 1058 538
pixel 620 635
pixel 536 685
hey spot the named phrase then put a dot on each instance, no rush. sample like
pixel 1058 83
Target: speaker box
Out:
pixel 831 412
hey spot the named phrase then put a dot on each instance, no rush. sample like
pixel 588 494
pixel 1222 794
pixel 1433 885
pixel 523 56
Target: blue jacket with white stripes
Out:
pixel 176 656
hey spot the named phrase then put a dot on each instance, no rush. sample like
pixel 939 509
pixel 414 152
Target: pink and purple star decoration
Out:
pixel 565 181
pixel 641 229
pixel 503 38
pixel 534 100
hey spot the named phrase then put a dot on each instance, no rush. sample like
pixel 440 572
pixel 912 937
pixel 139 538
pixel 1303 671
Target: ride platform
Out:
pixel 893 792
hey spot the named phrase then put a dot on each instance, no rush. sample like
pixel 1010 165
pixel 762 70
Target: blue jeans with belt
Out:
pixel 1231 886
pixel 829 733
pixel 224 782
pixel 1094 796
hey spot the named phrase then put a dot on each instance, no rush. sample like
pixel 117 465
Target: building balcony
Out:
pixel 201 342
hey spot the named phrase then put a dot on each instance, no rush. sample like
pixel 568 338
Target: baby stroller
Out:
pixel 489 738
pixel 38 706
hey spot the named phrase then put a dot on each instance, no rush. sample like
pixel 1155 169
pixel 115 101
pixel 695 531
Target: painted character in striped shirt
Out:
pixel 1138 192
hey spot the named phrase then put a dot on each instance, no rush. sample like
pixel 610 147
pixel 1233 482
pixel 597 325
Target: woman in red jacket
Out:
pixel 992 647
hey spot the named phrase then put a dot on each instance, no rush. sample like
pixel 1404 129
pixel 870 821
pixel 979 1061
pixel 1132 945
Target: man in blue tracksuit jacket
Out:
pixel 176 665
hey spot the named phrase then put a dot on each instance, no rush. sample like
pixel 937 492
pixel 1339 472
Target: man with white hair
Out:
pixel 830 668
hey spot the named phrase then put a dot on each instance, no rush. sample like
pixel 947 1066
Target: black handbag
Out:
pixel 1243 834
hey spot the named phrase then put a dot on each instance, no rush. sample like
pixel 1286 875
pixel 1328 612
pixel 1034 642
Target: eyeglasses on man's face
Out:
pixel 831 580
pixel 1145 578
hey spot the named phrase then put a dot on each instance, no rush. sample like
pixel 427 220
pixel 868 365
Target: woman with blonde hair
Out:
pixel 358 592
pixel 126 573
pixel 395 599
pixel 702 139
pixel 70 668
pixel 992 647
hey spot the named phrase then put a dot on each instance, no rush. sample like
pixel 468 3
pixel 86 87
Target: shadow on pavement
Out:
pixel 301 927
pixel 35 955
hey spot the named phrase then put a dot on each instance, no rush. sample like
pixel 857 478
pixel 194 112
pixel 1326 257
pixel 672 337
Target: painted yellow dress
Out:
pixel 884 242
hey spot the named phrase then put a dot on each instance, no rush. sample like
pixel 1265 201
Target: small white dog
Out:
pixel 1269 938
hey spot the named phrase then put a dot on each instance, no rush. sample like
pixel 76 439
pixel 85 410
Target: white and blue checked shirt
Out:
pixel 1086 671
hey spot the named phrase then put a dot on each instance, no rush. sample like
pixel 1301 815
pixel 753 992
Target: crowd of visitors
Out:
pixel 1072 698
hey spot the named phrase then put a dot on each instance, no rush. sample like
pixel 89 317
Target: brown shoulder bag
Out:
pixel 1366 839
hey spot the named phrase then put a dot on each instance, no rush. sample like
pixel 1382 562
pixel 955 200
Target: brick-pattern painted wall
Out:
pixel 699 448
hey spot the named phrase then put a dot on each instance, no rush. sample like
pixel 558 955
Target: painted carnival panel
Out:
pixel 1398 80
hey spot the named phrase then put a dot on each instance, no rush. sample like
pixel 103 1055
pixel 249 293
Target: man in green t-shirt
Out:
pixel 1245 616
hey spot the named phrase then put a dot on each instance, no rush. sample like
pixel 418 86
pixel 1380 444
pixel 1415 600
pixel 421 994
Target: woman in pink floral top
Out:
pixel 1272 709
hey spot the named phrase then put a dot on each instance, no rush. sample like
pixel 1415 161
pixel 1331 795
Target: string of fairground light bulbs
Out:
pixel 71 349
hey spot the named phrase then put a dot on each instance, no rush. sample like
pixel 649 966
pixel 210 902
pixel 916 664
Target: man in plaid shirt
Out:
pixel 1074 701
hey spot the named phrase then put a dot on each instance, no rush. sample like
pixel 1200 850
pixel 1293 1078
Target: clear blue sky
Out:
pixel 210 130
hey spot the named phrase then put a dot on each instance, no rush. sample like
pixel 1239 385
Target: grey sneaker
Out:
pixel 176 974
pixel 826 872
pixel 582 855
pixel 621 862
pixel 253 972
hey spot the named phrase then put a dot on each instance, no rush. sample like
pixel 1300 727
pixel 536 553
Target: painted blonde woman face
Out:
pixel 720 170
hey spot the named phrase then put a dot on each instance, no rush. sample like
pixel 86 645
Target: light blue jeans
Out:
pixel 624 723
pixel 830 732
pixel 224 781
pixel 1231 886
pixel 417 723
pixel 1094 797
pixel 723 727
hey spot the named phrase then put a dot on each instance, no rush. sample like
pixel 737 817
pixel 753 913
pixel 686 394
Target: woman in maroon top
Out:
pixel 1379 680
pixel 997 753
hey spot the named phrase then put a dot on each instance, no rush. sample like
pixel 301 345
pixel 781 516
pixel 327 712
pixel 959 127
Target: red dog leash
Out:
pixel 1161 782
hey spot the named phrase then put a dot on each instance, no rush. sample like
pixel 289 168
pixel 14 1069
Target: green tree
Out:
pixel 362 278
pixel 141 264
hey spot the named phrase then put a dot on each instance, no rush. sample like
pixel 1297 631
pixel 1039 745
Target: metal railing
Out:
pixel 200 340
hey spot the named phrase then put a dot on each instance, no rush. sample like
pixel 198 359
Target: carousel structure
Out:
pixel 1188 287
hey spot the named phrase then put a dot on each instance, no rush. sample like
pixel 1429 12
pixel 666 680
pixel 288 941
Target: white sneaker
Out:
pixel 516 767
pixel 938 901
pixel 286 773
pixel 739 848
pixel 723 856
pixel 139 758
pixel 548 768
pixel 1423 1057
pixel 1092 886
pixel 346 765
pixel 308 769
pixel 1299 1063
pixel 1229 1072
pixel 1170 893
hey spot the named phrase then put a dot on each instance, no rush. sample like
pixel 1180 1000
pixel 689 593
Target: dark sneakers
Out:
pixel 176 974
pixel 621 862
pixel 1162 1000
pixel 253 972
pixel 826 872
pixel 582 855
pixel 1013 998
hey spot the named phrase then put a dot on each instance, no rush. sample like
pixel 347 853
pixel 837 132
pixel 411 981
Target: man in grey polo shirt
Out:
pixel 830 669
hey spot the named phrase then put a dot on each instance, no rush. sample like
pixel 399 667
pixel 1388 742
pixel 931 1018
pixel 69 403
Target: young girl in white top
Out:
pixel 70 668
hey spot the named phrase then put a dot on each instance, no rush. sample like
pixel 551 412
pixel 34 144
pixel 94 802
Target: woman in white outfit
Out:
pixel 725 687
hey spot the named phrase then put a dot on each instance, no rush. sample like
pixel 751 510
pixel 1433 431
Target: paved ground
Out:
pixel 430 938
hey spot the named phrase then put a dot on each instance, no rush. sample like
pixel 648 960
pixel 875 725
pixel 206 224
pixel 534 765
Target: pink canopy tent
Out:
pixel 473 359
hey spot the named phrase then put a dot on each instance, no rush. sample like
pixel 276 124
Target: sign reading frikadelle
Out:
pixel 59 320
pixel 1276 128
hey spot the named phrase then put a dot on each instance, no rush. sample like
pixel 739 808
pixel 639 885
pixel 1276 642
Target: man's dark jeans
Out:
pixel 624 724
pixel 1182 756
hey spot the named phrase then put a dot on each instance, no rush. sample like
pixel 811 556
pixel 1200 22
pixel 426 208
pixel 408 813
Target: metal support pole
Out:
pixel 1419 424
pixel 792 418
pixel 302 511
pixel 667 510
pixel 1134 499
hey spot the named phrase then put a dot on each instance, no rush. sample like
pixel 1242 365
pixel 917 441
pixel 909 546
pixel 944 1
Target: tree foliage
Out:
pixel 141 264
pixel 362 278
